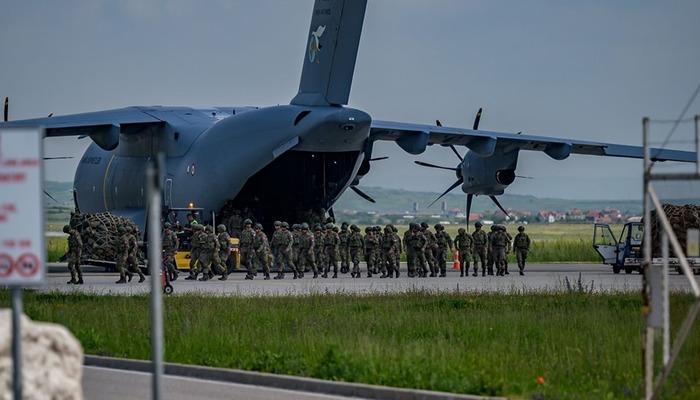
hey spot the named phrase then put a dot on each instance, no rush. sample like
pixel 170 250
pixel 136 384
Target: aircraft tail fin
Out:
pixel 329 62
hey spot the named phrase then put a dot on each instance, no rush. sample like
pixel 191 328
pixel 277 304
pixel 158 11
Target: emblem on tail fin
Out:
pixel 315 43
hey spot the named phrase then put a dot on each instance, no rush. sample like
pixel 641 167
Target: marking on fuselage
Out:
pixel 104 183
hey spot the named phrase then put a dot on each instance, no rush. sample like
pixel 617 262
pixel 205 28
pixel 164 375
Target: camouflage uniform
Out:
pixel 282 241
pixel 397 250
pixel 296 231
pixel 444 242
pixel 521 243
pixel 431 249
pixel 410 256
pixel 508 248
pixel 388 261
pixel 418 242
pixel 122 252
pixel 195 250
pixel 319 238
pixel 246 246
pixel 465 245
pixel 330 248
pixel 261 253
pixel 221 257
pixel 355 244
pixel 481 242
pixel 378 249
pixel 133 260
pixel 499 242
pixel 170 244
pixel 209 248
pixel 371 244
pixel 490 256
pixel 75 249
pixel 344 248
pixel 306 250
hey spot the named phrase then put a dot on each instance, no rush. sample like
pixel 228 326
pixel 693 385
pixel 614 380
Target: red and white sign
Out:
pixel 22 250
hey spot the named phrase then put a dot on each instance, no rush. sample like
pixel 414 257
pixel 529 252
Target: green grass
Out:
pixel 55 248
pixel 585 346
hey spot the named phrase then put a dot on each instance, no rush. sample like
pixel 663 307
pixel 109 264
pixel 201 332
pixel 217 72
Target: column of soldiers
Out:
pixel 299 250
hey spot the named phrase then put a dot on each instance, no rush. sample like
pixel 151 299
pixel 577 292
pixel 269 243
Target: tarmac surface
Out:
pixel 538 277
pixel 114 384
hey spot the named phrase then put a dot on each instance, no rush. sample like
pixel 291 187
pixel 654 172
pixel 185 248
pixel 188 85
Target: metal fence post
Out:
pixel 17 343
pixel 153 174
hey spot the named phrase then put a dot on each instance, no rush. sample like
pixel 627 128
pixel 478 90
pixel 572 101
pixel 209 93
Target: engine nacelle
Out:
pixel 489 175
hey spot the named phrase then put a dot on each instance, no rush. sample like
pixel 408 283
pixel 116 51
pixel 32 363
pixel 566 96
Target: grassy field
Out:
pixel 583 346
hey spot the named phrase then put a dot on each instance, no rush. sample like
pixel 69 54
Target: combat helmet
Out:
pixel 277 224
pixel 521 228
pixel 478 224
pixel 258 225
pixel 167 225
pixel 394 229
pixel 329 226
pixel 317 227
pixel 197 227
pixel 354 228
pixel 461 231
pixel 221 228
pixel 285 225
pixel 66 228
pixel 209 229
pixel 247 221
pixel 438 227
pixel 304 226
pixel 344 225
pixel 424 225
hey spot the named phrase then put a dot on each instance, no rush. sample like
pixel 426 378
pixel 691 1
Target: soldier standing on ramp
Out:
pixel 170 246
pixel 355 244
pixel 261 253
pixel 344 248
pixel 246 245
pixel 481 242
pixel 521 243
pixel 75 249
pixel 464 244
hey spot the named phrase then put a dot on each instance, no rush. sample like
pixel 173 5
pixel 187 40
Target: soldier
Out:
pixel 282 241
pixel 431 249
pixel 170 246
pixel 397 250
pixel 388 260
pixel 499 242
pixel 245 245
pixel 306 251
pixel 75 249
pixel 355 245
pixel 418 242
pixel 444 242
pixel 410 256
pixel 195 249
pixel 508 248
pixel 319 252
pixel 330 244
pixel 296 231
pixel 133 260
pixel 522 247
pixel 481 242
pixel 464 245
pixel 122 252
pixel 344 248
pixel 371 244
pixel 209 245
pixel 261 253
pixel 221 257
pixel 490 256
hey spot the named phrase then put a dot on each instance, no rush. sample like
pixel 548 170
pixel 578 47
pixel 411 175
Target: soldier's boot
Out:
pixel 267 276
pixel 522 273
pixel 192 276
pixel 141 276
pixel 250 277
pixel 280 275
pixel 72 279
pixel 461 271
pixel 129 275
pixel 443 274
pixel 476 272
pixel 490 270
pixel 384 275
pixel 483 272
pixel 335 275
pixel 121 279
pixel 325 274
pixel 80 278
pixel 174 275
pixel 223 277
pixel 506 270
pixel 315 274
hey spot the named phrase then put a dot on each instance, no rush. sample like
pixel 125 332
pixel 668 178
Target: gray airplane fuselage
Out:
pixel 274 161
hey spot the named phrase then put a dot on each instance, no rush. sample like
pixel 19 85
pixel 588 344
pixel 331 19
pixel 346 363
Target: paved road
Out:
pixel 539 277
pixel 113 384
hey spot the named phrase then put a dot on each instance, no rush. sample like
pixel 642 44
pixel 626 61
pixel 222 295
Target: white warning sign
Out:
pixel 22 247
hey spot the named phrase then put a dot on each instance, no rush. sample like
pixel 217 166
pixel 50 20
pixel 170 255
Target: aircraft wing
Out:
pixel 415 137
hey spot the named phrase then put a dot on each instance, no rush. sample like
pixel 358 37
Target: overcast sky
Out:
pixel 585 69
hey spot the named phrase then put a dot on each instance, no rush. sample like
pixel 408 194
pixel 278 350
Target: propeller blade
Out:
pixel 6 109
pixel 495 200
pixel 362 194
pixel 51 197
pixel 438 123
pixel 378 158
pixel 524 177
pixel 470 197
pixel 57 158
pixel 449 189
pixel 456 152
pixel 477 119
pixel 425 164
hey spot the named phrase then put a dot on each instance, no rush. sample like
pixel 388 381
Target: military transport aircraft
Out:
pixel 285 162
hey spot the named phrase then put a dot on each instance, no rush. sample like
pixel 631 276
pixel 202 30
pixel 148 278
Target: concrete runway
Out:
pixel 538 277
pixel 114 384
